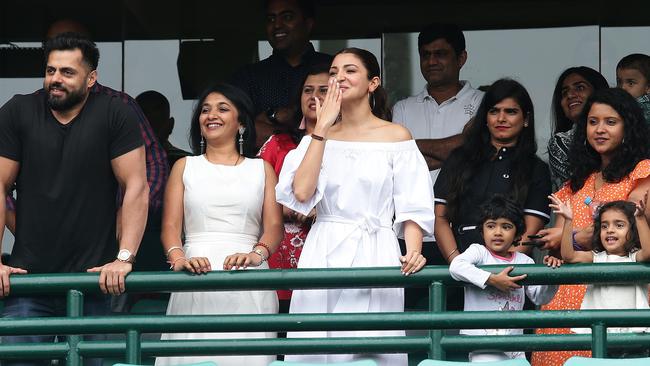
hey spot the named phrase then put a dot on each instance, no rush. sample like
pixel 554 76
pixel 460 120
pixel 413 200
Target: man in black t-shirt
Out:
pixel 67 150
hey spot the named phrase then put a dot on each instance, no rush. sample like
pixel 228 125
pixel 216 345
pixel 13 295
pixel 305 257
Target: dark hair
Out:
pixel 306 7
pixel 449 32
pixel 501 207
pixel 636 61
pixel 244 107
pixel 151 100
pixel 584 160
pixel 378 99
pixel 294 131
pixel 71 41
pixel 561 122
pixel 477 149
pixel 628 209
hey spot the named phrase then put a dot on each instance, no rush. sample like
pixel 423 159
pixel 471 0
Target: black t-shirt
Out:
pixel 493 177
pixel 273 82
pixel 66 189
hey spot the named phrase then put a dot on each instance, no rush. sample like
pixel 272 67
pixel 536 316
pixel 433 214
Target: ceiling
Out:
pixel 116 20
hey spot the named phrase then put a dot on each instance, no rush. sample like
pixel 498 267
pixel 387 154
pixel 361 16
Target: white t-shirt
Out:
pixel 426 119
pixel 604 296
pixel 481 297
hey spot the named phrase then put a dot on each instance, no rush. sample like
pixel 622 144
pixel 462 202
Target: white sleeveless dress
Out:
pixel 365 193
pixel 223 216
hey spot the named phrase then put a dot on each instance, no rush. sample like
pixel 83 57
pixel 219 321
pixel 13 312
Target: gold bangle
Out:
pixel 172 249
pixel 452 253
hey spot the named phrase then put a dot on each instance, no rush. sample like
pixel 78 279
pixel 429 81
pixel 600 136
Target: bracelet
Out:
pixel 317 137
pixel 452 253
pixel 172 264
pixel 576 246
pixel 260 253
pixel 260 244
pixel 172 249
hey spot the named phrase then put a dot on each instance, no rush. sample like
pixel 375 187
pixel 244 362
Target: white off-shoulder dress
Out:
pixel 222 216
pixel 365 193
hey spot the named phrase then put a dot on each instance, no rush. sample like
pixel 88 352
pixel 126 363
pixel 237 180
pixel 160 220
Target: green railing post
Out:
pixel 599 340
pixel 133 346
pixel 74 309
pixel 437 300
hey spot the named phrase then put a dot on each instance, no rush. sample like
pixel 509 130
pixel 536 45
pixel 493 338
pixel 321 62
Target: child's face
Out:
pixel 614 228
pixel 633 82
pixel 498 235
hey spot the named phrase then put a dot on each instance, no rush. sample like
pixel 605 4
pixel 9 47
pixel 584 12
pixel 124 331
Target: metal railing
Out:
pixel 435 320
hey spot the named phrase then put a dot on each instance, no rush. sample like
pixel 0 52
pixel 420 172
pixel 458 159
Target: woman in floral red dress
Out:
pixel 274 150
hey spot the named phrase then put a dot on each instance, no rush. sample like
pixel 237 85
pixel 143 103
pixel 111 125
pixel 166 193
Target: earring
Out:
pixel 202 144
pixel 525 124
pixel 372 99
pixel 242 129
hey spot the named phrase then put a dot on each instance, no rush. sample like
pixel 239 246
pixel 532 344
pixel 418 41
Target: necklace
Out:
pixel 236 161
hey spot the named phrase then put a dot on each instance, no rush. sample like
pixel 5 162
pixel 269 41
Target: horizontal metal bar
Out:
pixel 266 346
pixel 327 322
pixel 33 350
pixel 324 278
pixel 541 342
pixel 528 342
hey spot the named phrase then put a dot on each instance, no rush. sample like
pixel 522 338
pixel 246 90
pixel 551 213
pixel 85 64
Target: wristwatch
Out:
pixel 260 252
pixel 271 114
pixel 125 255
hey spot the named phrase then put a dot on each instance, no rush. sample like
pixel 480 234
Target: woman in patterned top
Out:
pixel 274 150
pixel 573 88
pixel 609 162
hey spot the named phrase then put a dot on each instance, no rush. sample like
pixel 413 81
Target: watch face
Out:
pixel 124 255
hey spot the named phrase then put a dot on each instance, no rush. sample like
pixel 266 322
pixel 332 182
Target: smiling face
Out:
pixel 605 129
pixel 505 122
pixel 633 82
pixel 614 231
pixel 575 92
pixel 219 119
pixel 315 87
pixel 499 234
pixel 439 63
pixel 352 76
pixel 67 79
pixel 287 28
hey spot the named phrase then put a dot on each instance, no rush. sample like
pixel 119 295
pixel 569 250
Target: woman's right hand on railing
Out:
pixel 196 265
pixel 5 272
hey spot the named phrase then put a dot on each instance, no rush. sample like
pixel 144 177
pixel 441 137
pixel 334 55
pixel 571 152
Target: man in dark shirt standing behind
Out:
pixel 273 82
pixel 67 150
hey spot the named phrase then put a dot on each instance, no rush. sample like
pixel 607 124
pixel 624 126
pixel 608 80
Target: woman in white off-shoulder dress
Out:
pixel 366 178
pixel 226 204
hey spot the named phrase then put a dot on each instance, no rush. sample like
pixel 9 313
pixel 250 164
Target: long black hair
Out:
pixel 379 98
pixel 561 122
pixel 584 160
pixel 632 242
pixel 244 107
pixel 477 149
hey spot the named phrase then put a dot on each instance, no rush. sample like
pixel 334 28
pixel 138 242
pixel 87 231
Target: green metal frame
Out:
pixel 436 320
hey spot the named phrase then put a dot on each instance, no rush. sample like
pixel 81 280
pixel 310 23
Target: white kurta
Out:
pixel 362 186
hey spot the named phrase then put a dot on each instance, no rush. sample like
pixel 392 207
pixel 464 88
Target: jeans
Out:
pixel 49 306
